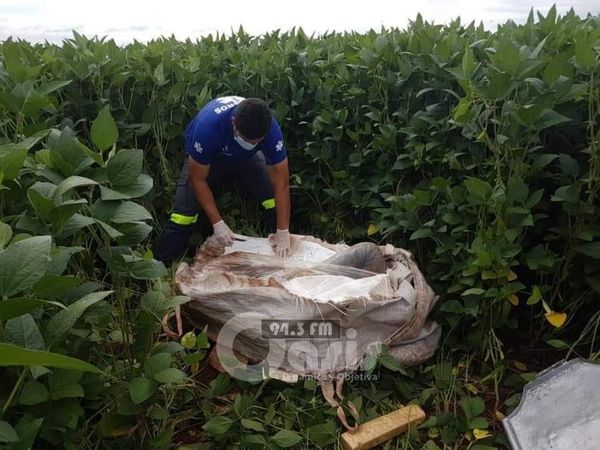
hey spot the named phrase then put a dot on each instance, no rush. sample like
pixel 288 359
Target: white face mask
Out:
pixel 245 145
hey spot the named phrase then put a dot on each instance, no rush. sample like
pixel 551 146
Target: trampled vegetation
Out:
pixel 477 150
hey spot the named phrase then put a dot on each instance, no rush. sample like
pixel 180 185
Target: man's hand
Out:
pixel 223 233
pixel 282 243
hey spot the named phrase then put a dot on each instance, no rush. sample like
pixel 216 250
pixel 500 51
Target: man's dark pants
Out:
pixel 252 177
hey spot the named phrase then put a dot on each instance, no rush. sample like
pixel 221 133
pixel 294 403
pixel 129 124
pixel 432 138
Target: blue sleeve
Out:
pixel 200 143
pixel 273 146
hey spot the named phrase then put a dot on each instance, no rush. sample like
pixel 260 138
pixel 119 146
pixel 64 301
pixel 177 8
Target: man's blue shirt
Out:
pixel 209 136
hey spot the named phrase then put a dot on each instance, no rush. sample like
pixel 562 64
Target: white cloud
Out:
pixel 123 20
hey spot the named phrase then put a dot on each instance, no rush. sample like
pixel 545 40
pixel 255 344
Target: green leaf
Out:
pixel 157 363
pixel 473 291
pixel 11 355
pixel 17 306
pixel 286 438
pixel 585 56
pixel 569 165
pixel 120 212
pixel 472 407
pixel 468 63
pixel 141 389
pixel 63 213
pixel 478 188
pixel 536 296
pixel 60 257
pixel 148 269
pixel 6 234
pixel 139 188
pixel 217 425
pixel 28 428
pixel 67 391
pixel 33 393
pixel 64 320
pixel 48 88
pixel 7 432
pixel 12 158
pixel 542 161
pixel 125 167
pixel 420 234
pixel 69 184
pixel 170 375
pixel 253 425
pixel 23 263
pixel 256 441
pixel 557 343
pixel 104 130
pixel 550 118
pixel 592 249
pixel 24 332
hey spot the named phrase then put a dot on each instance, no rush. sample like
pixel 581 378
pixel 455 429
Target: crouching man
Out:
pixel 235 139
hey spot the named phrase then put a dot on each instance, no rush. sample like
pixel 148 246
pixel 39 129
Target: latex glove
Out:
pixel 282 243
pixel 223 233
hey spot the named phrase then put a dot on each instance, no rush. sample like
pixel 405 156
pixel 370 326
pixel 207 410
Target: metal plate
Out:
pixel 560 409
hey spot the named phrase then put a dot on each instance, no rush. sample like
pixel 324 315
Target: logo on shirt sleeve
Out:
pixel 279 146
pixel 198 147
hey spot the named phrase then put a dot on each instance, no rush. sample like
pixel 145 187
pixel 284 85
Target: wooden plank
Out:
pixel 379 430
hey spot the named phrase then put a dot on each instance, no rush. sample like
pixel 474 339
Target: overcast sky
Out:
pixel 125 20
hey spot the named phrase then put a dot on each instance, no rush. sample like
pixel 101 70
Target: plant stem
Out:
pixel 13 393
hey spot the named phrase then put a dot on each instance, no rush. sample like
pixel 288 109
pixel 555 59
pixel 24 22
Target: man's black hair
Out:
pixel 253 118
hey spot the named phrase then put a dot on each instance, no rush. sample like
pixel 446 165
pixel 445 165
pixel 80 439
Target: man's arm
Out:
pixel 198 175
pixel 280 177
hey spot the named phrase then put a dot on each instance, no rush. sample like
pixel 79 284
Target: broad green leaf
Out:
pixel 17 306
pixel 134 234
pixel 472 407
pixel 111 231
pixel 148 269
pixel 64 320
pixel 139 188
pixel 7 432
pixel 54 286
pixel 592 249
pixel 24 332
pixel 75 224
pixel 569 165
pixel 48 88
pixel 67 391
pixel 40 197
pixel 60 257
pixel 141 389
pixel 170 375
pixel 11 355
pixel 120 212
pixel 23 263
pixel 6 234
pixel 157 363
pixel 67 153
pixel 254 441
pixel 60 215
pixel 253 425
pixel 68 184
pixel 11 161
pixel 217 425
pixel 585 56
pixel 468 63
pixel 550 118
pixel 286 438
pixel 104 130
pixel 33 393
pixel 478 188
pixel 125 167
pixel 28 428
